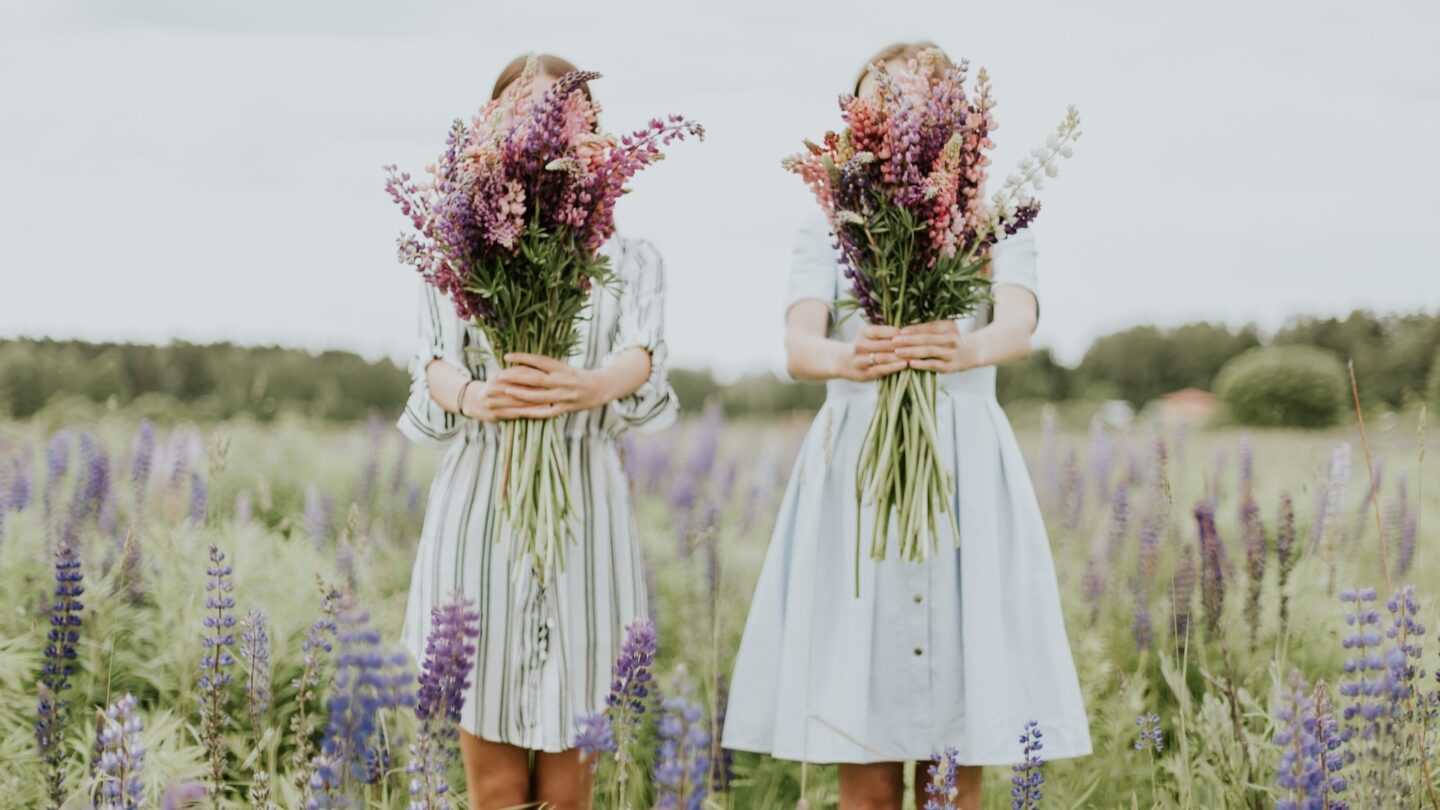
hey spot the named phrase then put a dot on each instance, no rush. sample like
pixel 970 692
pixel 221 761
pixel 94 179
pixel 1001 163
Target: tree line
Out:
pixel 1394 355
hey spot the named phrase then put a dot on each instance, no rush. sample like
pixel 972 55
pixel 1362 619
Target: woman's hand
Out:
pixel 538 387
pixel 490 401
pixel 936 346
pixel 872 355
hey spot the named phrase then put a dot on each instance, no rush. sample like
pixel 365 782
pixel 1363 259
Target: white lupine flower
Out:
pixel 849 218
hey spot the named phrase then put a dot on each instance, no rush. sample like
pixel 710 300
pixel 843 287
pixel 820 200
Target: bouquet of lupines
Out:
pixel 509 226
pixel 903 188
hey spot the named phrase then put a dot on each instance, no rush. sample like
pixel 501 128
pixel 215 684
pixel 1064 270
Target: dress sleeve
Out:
pixel 641 322
pixel 812 264
pixel 1013 262
pixel 424 421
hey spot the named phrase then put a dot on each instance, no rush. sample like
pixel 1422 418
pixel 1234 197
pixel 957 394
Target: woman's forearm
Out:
pixel 619 378
pixel 812 357
pixel 445 381
pixel 1007 336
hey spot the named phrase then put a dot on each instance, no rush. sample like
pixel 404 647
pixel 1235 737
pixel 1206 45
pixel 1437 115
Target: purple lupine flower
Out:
pixel 199 495
pixel 1182 593
pixel 95 486
pixel 1212 567
pixel 1247 465
pixel 1365 667
pixel 1285 555
pixel 594 738
pixel 1311 754
pixel 1257 550
pixel 1074 491
pixel 317 646
pixel 1050 455
pixel 630 689
pixel 7 471
pixel 1332 523
pixel 319 512
pixel 940 788
pixel 21 490
pixel 60 655
pixel 1025 793
pixel 57 463
pixel 682 764
pixel 1119 521
pixel 449 659
pixel 1145 580
pixel 255 655
pixel 367 681
pixel 370 470
pixel 1215 487
pixel 122 756
pixel 630 685
pixel 181 794
pixel 1102 458
pixel 215 663
pixel 1151 737
pixel 1404 525
pixel 144 459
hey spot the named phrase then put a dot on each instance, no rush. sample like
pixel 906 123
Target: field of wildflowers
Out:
pixel 208 616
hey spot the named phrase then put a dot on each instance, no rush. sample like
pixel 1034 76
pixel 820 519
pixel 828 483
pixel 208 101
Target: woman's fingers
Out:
pixel 932 328
pixel 931 365
pixel 522 375
pixel 928 339
pixel 539 395
pixel 879 370
pixel 873 331
pixel 539 361
pixel 922 352
pixel 863 345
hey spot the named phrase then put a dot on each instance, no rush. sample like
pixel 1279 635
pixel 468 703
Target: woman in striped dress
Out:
pixel 545 652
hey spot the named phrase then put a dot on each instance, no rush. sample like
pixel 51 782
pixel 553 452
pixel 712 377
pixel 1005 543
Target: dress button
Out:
pixel 919 598
pixel 919 651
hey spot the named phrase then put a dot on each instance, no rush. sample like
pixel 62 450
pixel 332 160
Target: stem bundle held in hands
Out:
pixel 509 226
pixel 903 188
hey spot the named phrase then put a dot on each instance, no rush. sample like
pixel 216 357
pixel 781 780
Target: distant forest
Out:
pixel 1395 358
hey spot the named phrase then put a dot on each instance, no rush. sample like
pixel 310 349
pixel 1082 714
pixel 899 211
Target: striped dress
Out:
pixel 545 652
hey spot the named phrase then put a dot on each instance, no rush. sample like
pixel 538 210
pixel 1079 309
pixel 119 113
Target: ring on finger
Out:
pixel 872 358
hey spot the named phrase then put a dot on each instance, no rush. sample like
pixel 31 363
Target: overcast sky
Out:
pixel 211 170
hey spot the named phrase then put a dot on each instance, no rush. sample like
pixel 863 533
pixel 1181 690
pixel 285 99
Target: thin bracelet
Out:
pixel 460 400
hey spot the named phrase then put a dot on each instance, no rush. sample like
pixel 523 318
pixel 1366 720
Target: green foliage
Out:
pixel 1144 362
pixel 1393 354
pixel 1284 386
pixel 1433 398
pixel 208 382
pixel 1038 376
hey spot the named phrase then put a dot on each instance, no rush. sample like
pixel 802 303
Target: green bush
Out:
pixel 1284 386
pixel 1433 398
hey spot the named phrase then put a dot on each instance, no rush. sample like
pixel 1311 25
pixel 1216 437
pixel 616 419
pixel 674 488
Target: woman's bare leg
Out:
pixel 968 779
pixel 497 775
pixel 877 786
pixel 562 781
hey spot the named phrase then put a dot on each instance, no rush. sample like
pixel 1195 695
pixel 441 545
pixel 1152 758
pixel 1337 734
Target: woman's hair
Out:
pixel 550 65
pixel 896 50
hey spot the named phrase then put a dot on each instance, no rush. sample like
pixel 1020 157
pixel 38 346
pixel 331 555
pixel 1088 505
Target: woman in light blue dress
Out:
pixel 960 651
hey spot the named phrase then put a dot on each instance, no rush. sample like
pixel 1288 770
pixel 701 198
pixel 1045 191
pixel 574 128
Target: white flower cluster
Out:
pixel 1020 187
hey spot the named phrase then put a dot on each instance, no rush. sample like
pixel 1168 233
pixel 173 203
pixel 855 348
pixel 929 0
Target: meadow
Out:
pixel 1227 597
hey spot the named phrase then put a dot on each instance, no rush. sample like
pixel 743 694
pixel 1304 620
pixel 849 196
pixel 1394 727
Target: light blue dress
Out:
pixel 961 651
